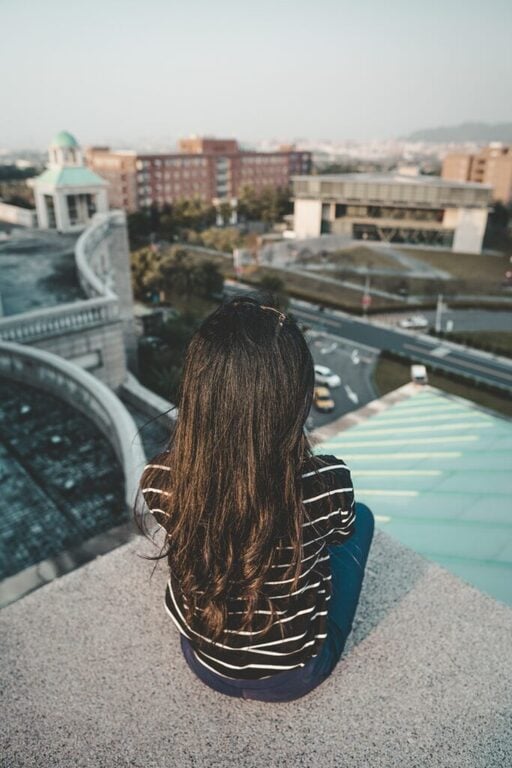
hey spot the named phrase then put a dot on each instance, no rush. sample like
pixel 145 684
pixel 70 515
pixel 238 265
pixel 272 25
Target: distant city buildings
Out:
pixel 491 165
pixel 392 208
pixel 204 168
pixel 68 194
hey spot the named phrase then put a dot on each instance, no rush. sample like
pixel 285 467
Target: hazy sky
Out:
pixel 126 71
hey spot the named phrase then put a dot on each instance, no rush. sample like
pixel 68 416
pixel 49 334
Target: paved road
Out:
pixel 423 349
pixel 470 363
pixel 353 364
pixel 462 319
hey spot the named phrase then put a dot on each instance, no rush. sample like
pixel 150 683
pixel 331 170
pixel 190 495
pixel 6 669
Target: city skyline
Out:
pixel 325 72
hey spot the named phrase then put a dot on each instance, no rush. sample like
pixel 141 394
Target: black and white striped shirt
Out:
pixel 297 634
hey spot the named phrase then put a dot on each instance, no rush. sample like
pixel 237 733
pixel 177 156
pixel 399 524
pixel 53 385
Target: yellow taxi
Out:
pixel 322 399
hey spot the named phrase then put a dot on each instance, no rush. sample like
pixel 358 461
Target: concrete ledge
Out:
pixel 154 406
pixel 93 676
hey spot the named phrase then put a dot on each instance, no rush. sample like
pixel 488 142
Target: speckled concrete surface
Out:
pixel 92 676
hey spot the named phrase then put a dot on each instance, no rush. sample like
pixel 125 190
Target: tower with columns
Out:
pixel 67 193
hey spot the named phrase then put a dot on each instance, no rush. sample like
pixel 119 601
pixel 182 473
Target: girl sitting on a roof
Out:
pixel 265 544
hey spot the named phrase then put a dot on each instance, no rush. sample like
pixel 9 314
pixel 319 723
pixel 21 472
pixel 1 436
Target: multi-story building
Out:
pixel 492 165
pixel 393 208
pixel 119 169
pixel 205 168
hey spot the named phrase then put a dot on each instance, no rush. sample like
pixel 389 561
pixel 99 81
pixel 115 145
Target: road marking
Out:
pixel 382 519
pixel 462 362
pixel 406 441
pixel 351 394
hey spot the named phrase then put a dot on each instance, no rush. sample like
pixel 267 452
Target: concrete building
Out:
pixel 492 165
pixel 68 194
pixel 204 168
pixel 392 208
pixel 119 170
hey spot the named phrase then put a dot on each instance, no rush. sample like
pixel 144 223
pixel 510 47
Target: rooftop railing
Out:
pixel 29 327
pixel 101 306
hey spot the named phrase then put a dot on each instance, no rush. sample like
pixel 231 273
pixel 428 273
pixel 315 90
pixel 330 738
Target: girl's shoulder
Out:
pixel 325 470
pixel 323 463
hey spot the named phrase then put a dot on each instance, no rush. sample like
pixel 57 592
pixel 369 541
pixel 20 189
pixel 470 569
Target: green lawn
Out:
pixel 465 266
pixel 501 341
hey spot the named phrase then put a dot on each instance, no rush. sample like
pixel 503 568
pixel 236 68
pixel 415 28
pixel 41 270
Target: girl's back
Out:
pixel 248 511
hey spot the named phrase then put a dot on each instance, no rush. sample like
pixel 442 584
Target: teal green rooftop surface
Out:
pixel 70 176
pixel 437 472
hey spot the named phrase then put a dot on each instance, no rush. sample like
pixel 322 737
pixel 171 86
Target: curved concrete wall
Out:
pixel 83 391
pixel 97 334
pixel 102 257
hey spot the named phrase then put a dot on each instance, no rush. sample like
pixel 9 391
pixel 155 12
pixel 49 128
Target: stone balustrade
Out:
pixel 29 327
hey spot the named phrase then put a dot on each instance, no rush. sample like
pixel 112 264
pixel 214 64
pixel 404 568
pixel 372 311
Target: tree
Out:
pixel 207 279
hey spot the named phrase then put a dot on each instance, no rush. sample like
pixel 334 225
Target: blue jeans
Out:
pixel 347 562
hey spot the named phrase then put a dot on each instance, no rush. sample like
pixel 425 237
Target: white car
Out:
pixel 325 376
pixel 416 321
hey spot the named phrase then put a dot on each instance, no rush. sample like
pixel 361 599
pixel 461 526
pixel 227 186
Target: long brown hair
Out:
pixel 233 490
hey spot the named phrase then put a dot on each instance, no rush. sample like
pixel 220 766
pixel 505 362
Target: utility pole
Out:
pixel 439 311
pixel 366 298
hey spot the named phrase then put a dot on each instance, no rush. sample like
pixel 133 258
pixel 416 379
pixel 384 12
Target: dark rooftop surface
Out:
pixel 93 676
pixel 37 269
pixel 60 481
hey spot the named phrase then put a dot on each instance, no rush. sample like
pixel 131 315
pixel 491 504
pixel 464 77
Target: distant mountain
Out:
pixel 478 132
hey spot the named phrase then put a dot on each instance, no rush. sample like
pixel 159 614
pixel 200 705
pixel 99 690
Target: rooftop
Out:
pixel 423 682
pixel 64 139
pixel 61 482
pixel 70 176
pixel 37 269
pixel 393 178
pixel 437 470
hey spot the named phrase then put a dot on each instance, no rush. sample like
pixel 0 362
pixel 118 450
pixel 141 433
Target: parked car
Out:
pixel 322 400
pixel 413 322
pixel 324 375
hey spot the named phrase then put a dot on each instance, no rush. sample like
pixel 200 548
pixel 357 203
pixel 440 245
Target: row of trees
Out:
pixel 173 272
pixel 187 216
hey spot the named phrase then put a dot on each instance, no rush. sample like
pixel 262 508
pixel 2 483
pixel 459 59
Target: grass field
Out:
pixel 359 256
pixel 320 292
pixel 465 266
pixel 390 374
pixel 499 340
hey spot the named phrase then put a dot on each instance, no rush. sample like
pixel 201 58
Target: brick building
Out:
pixel 204 168
pixel 492 165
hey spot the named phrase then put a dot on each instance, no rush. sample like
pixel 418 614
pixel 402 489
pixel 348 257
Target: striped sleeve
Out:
pixel 331 510
pixel 154 495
